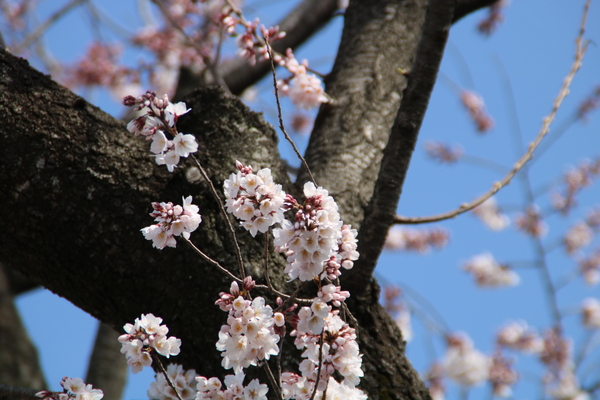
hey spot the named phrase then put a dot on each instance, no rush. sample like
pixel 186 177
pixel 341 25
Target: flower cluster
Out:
pixel 249 335
pixel 158 124
pixel 211 389
pixel 304 89
pixel 574 181
pixel 519 336
pixel 184 382
pixel 489 213
pixel 173 220
pixel 463 363
pixel 73 389
pixel 338 352
pixel 590 309
pixel 398 309
pixel 420 240
pixel 317 236
pixel 476 109
pixel 578 236
pixel 443 153
pixel 488 273
pixel 145 335
pixel 254 198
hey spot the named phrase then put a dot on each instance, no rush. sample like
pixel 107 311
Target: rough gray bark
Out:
pixel 380 40
pixel 77 185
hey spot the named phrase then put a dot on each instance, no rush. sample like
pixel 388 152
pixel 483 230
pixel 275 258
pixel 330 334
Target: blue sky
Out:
pixel 531 52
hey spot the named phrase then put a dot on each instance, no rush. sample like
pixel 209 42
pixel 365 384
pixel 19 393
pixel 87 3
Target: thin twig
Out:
pixel 580 50
pixel 314 393
pixel 271 378
pixel 279 114
pixel 213 191
pixel 267 277
pixel 213 262
pixel 164 371
pixel 35 35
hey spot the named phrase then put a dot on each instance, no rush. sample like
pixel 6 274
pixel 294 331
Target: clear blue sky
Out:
pixel 532 52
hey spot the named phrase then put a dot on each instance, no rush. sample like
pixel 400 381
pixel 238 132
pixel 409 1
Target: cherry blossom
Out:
pixel 147 334
pixel 211 389
pixel 590 309
pixel 488 273
pixel 489 213
pixel 476 108
pixel 519 336
pixel 184 381
pixel 254 198
pixel 173 220
pixel 316 238
pixel 249 335
pixel 463 363
pixel 158 124
pixel 73 389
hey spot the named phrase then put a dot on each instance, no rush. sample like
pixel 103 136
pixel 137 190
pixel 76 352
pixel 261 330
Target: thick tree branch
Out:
pixel 300 24
pixel 382 208
pixel 379 40
pixel 465 7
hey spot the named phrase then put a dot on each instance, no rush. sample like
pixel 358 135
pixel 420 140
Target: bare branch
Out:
pixel 580 49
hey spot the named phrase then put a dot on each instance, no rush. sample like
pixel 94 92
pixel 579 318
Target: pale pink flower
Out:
pixel 474 105
pixel 531 222
pixel 183 380
pixel 488 273
pixel 463 363
pixel 489 213
pixel 580 235
pixel 519 336
pixel 443 153
pixel 590 309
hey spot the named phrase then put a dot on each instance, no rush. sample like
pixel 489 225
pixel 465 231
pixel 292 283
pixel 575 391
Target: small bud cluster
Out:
pixel 73 389
pixel 589 267
pixel 578 236
pixel 304 89
pixel 254 198
pixel 488 273
pixel 184 382
pixel 574 181
pixel 158 124
pixel 531 222
pixel 399 310
pixel 173 220
pixel 502 375
pixel 476 109
pixel 144 336
pixel 443 153
pixel 249 335
pixel 494 18
pixel 211 389
pixel 317 237
pixel 489 213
